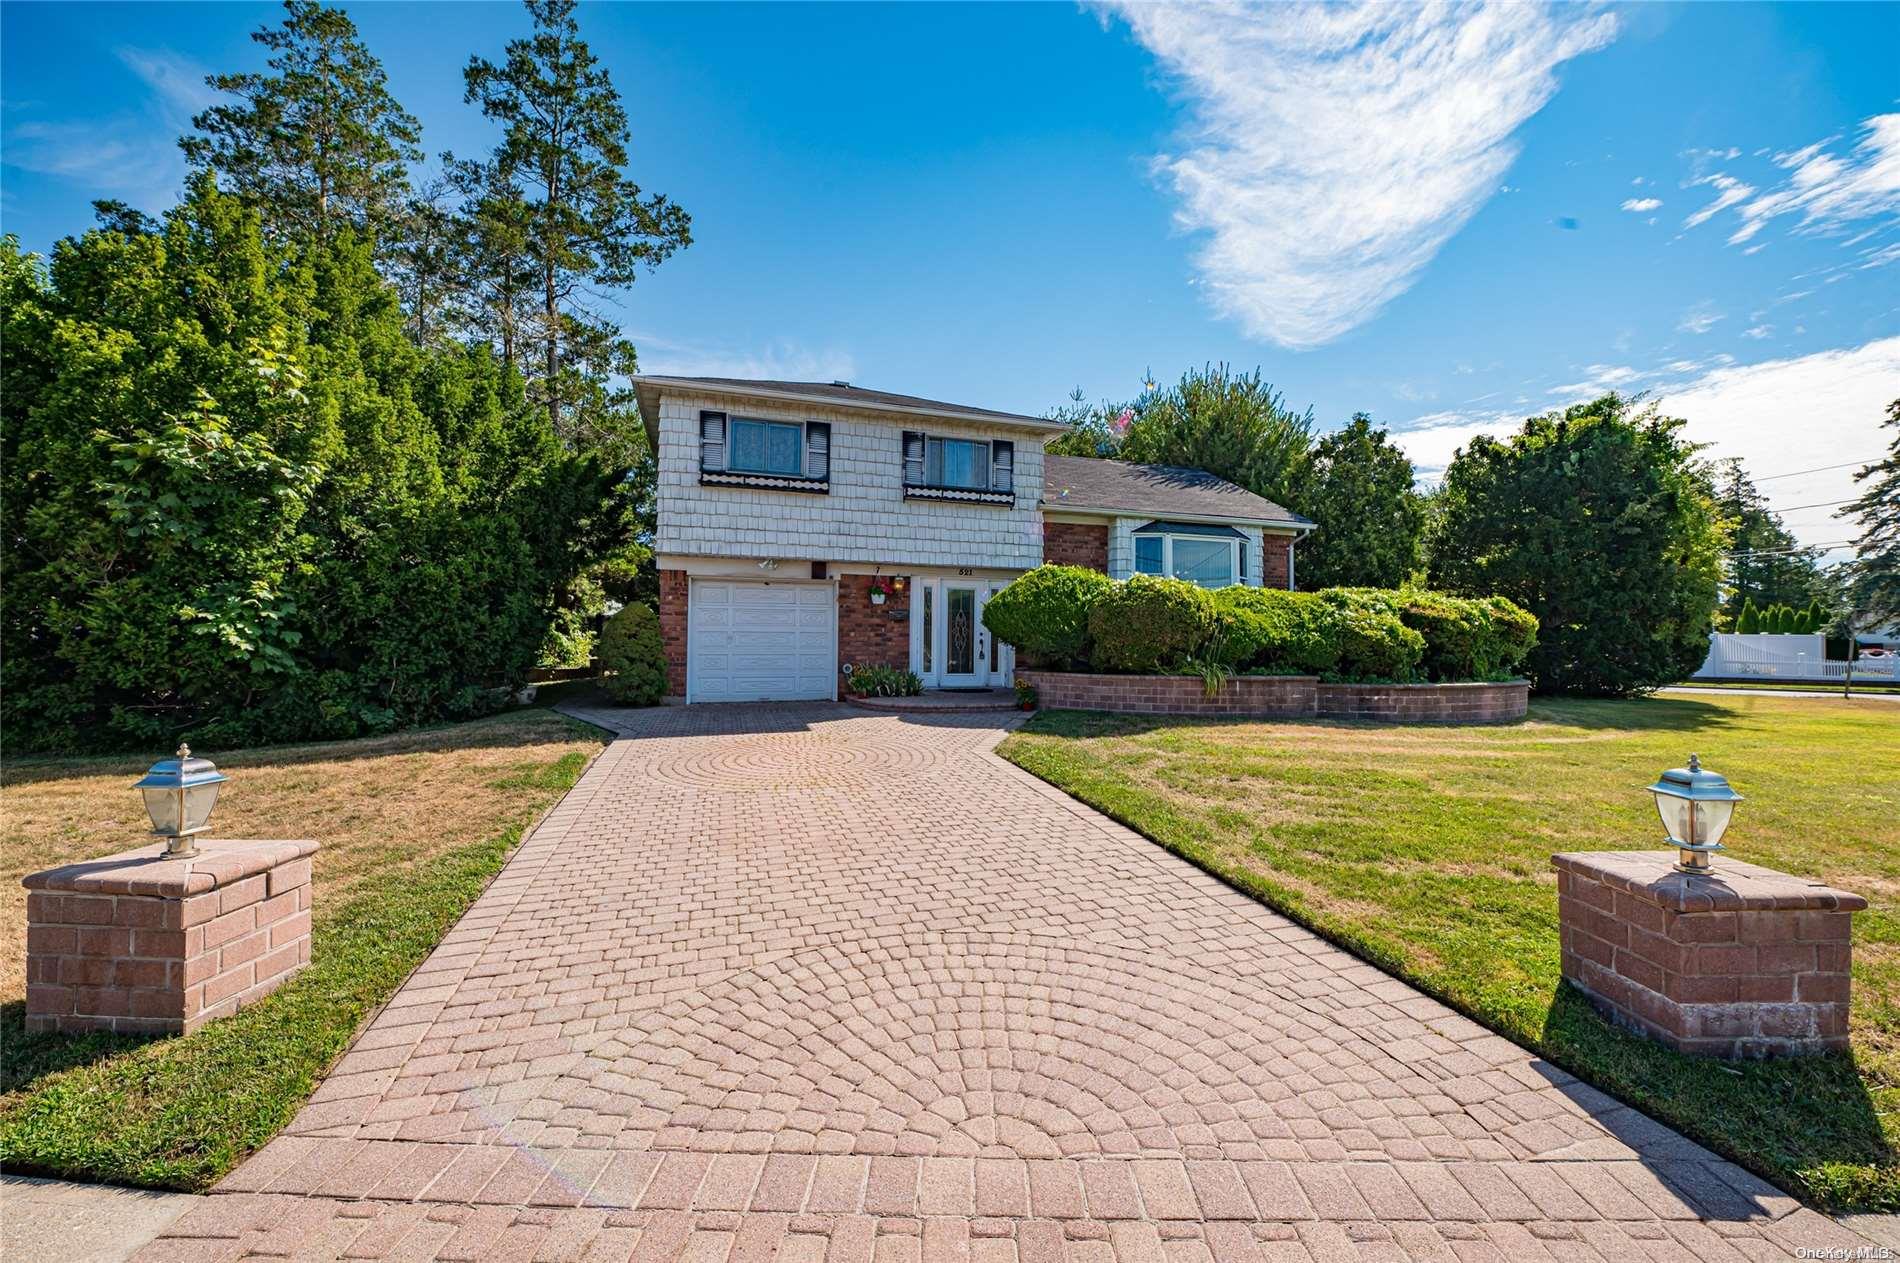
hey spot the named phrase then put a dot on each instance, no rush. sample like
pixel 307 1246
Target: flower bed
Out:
pixel 1281 697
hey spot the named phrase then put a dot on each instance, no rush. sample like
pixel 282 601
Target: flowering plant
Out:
pixel 882 586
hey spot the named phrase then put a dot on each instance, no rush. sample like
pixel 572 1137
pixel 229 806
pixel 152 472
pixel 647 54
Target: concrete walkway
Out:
pixel 802 982
pixel 81 1223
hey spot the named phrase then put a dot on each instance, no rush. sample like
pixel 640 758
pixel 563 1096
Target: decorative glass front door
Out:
pixel 962 655
pixel 950 647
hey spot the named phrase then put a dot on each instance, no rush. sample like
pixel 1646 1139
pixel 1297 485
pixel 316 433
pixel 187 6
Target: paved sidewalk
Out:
pixel 81 1223
pixel 802 982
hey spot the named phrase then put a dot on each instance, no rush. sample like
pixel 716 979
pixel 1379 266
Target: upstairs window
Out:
pixel 959 469
pixel 766 447
pixel 753 452
pixel 1210 556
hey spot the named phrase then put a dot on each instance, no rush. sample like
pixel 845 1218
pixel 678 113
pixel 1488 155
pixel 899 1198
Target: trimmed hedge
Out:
pixel 634 657
pixel 1147 623
pixel 1063 616
pixel 1045 614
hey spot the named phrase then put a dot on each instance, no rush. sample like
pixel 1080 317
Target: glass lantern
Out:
pixel 1695 807
pixel 179 795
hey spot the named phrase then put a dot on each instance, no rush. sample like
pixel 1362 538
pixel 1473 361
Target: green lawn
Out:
pixel 1426 851
pixel 414 826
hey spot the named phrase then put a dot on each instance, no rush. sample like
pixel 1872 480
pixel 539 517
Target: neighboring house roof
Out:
pixel 834 394
pixel 1079 484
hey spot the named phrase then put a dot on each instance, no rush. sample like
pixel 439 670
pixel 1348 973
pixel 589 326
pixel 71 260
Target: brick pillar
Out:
pixel 138 942
pixel 672 612
pixel 872 635
pixel 1747 962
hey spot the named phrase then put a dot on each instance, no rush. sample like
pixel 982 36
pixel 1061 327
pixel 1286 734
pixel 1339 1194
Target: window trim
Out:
pixel 998 455
pixel 1235 554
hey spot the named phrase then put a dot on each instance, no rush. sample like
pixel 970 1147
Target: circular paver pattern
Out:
pixel 830 760
pixel 992 1045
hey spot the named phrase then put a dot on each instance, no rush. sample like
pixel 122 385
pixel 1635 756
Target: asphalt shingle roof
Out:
pixel 1082 484
pixel 838 392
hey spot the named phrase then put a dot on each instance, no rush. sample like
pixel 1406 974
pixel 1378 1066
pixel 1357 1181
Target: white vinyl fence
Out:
pixel 1769 657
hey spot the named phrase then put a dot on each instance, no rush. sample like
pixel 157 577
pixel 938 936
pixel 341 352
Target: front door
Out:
pixel 966 649
pixel 950 646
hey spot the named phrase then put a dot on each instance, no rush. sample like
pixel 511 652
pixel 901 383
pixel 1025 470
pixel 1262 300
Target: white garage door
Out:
pixel 761 641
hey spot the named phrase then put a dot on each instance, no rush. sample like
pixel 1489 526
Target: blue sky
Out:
pixel 1441 217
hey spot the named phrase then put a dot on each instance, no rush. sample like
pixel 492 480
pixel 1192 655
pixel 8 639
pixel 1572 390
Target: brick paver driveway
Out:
pixel 806 983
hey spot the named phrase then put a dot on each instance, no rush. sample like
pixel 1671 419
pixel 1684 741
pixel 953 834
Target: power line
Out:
pixel 1819 469
pixel 1824 504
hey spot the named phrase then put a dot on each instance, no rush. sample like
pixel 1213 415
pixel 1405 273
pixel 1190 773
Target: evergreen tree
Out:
pixel 1748 623
pixel 1600 521
pixel 1230 424
pixel 1357 488
pixel 318 145
pixel 1875 572
pixel 239 503
pixel 1765 562
pixel 587 225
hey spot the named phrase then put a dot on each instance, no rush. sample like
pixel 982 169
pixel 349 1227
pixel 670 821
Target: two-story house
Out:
pixel 807 529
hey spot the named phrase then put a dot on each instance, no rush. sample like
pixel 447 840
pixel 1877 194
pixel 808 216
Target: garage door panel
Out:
pixel 765 641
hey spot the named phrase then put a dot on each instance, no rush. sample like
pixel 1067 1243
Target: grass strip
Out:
pixel 179 1113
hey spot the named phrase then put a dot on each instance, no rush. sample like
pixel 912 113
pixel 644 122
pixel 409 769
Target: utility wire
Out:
pixel 1819 469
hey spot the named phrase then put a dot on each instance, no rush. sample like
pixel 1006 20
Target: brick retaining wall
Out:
pixel 1427 703
pixel 1281 697
pixel 1266 696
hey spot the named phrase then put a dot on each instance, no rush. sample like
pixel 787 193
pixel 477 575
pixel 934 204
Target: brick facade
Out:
pixel 672 612
pixel 1276 561
pixel 136 942
pixel 1282 697
pixel 1746 962
pixel 1503 703
pixel 872 635
pixel 1075 544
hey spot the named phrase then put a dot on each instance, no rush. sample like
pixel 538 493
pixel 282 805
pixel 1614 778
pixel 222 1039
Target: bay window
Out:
pixel 1210 556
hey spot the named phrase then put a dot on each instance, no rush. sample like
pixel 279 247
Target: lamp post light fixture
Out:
pixel 179 794
pixel 1695 807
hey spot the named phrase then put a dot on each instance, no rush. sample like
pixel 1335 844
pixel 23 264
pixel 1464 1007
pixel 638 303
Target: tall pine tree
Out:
pixel 1875 572
pixel 317 145
pixel 1765 564
pixel 588 225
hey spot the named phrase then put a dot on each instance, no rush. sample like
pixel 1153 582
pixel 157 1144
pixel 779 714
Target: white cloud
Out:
pixel 1825 192
pixel 1641 205
pixel 1334 150
pixel 1758 332
pixel 132 154
pixel 779 361
pixel 1699 319
pixel 1728 191
pixel 1783 416
pixel 1779 416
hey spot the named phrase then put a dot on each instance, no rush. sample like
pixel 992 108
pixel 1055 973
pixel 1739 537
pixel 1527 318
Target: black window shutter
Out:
pixel 913 458
pixel 1002 466
pixel 817 449
pixel 1240 562
pixel 712 442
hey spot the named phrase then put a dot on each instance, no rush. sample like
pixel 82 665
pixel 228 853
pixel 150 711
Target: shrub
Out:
pixel 1373 643
pixel 1147 623
pixel 1514 630
pixel 1045 614
pixel 1749 623
pixel 882 681
pixel 1270 630
pixel 634 657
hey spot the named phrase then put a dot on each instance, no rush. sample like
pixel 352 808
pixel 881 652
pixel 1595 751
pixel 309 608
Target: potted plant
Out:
pixel 881 588
pixel 1025 695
